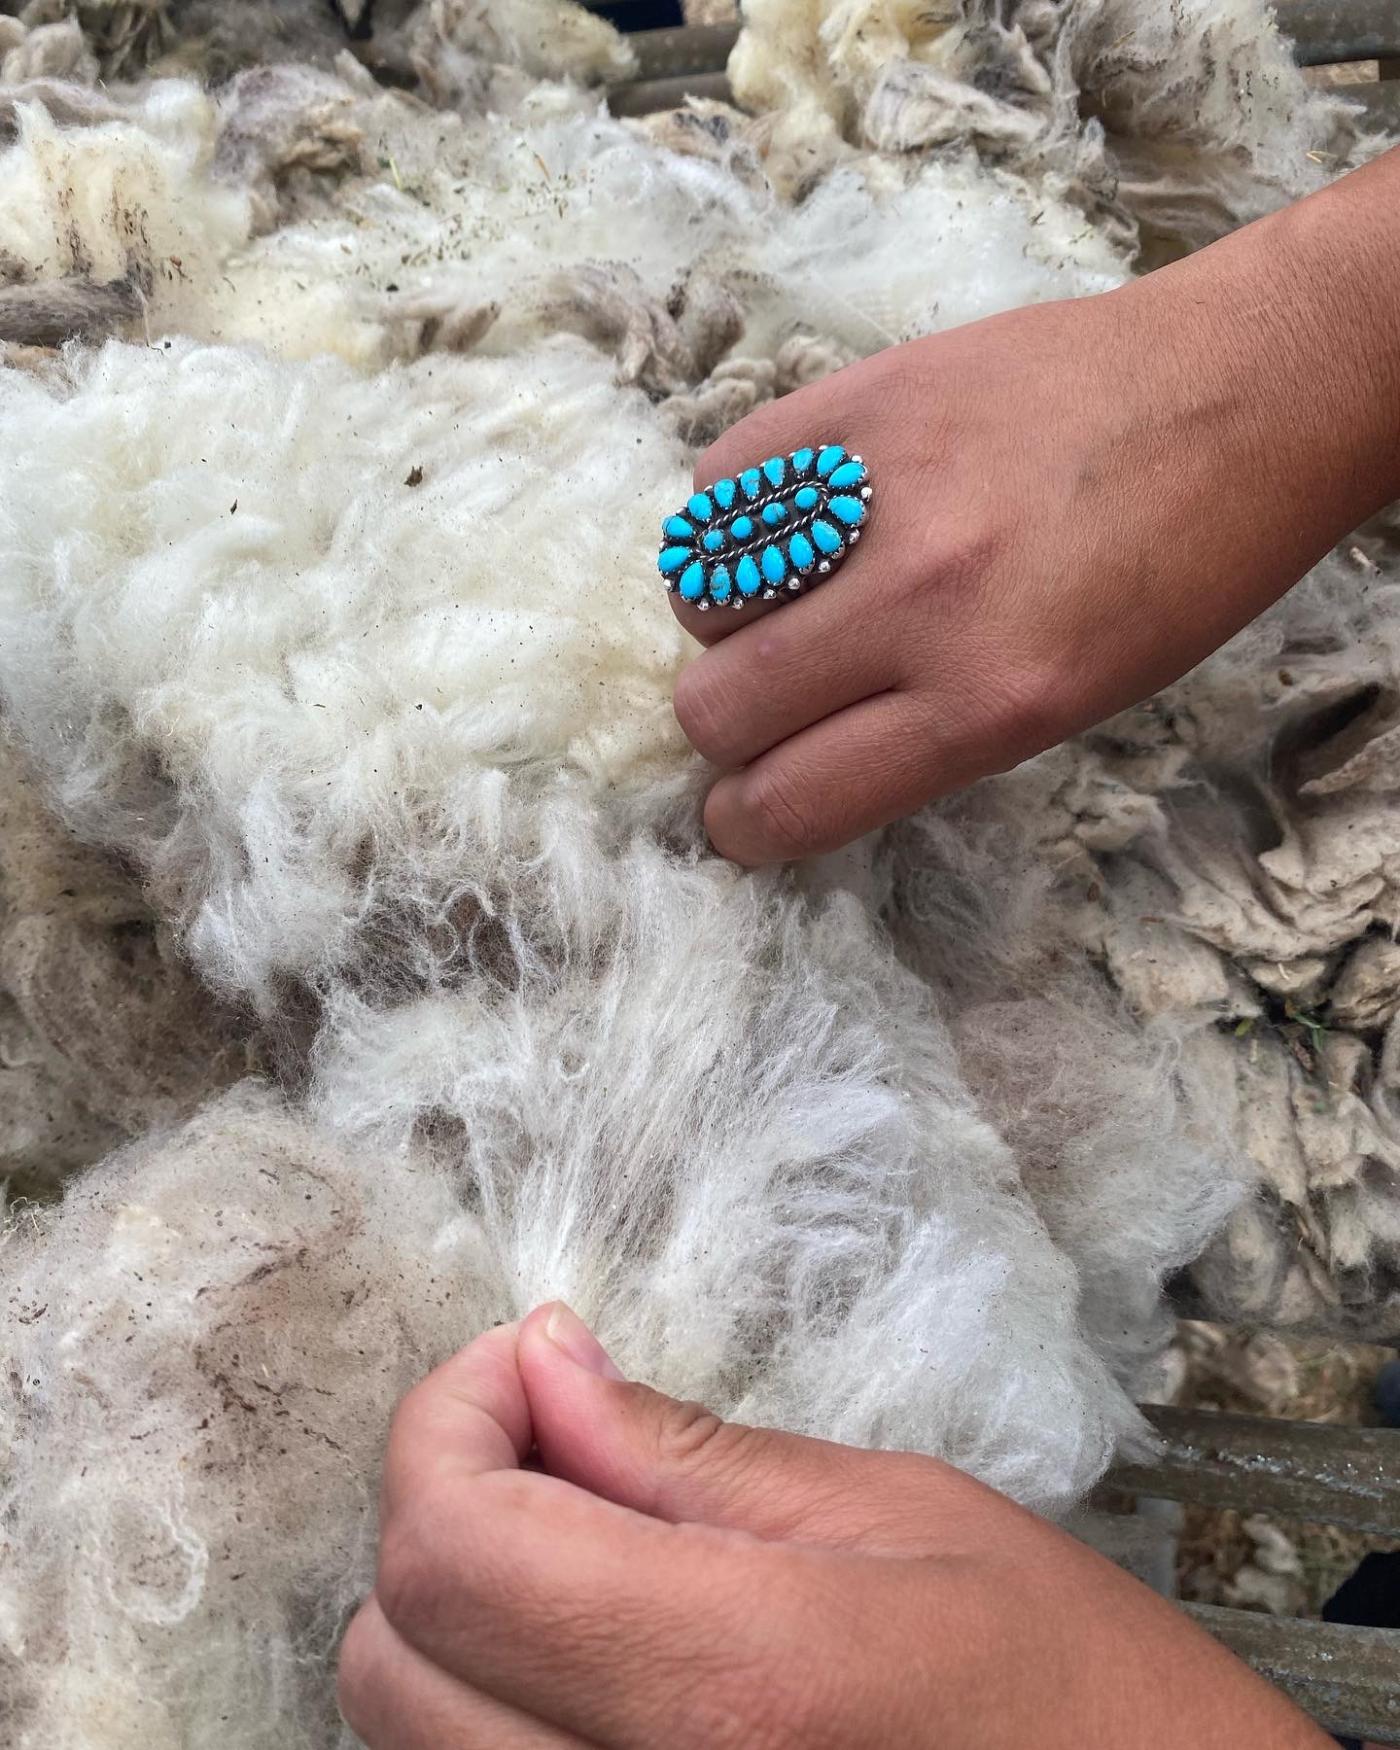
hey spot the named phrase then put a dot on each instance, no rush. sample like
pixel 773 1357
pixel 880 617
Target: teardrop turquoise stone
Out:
pixel 693 582
pixel 802 460
pixel 774 565
pixel 741 528
pixel 800 552
pixel 751 481
pixel 746 576
pixel 677 528
pixel 720 586
pixel 850 510
pixel 805 497
pixel 848 474
pixel 723 493
pixel 827 538
pixel 775 468
pixel 700 508
pixel 712 540
pixel 672 558
pixel 774 513
pixel 829 457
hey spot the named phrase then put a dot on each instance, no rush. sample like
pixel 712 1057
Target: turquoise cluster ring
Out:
pixel 767 533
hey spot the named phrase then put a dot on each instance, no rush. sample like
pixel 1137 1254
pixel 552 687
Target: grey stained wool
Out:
pixel 342 769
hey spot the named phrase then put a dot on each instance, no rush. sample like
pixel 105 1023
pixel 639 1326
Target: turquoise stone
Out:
pixel 827 538
pixel 765 529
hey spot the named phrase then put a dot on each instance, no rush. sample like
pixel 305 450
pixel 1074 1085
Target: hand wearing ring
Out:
pixel 1070 514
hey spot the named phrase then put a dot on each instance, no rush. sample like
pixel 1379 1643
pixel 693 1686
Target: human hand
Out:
pixel 1074 503
pixel 667 1579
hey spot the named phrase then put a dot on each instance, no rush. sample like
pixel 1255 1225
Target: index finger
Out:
pixel 467 1417
pixel 600 1620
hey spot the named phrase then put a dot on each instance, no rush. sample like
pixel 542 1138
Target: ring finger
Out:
pixel 395 1699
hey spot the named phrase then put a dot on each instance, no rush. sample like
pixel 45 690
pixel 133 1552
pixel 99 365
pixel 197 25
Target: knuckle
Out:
pixel 706 715
pixel 967 561
pixel 1026 706
pixel 692 1439
pixel 684 1433
pixel 783 810
pixel 408 1582
pixel 355 1674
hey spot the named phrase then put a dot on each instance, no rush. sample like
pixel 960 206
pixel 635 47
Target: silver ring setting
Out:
pixel 767 533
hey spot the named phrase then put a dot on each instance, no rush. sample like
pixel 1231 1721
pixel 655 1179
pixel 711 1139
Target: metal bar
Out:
pixel 1328 31
pixel 1347 1678
pixel 696 48
pixel 646 96
pixel 1259 1464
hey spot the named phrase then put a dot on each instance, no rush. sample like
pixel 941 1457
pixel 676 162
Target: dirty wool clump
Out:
pixel 327 617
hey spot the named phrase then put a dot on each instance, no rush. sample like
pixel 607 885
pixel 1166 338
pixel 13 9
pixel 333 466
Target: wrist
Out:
pixel 1294 321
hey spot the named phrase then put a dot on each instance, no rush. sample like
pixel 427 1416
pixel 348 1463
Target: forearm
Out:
pixel 1283 344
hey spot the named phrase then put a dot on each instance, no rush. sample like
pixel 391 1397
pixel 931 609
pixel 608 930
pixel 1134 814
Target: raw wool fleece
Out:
pixel 359 661
pixel 1170 124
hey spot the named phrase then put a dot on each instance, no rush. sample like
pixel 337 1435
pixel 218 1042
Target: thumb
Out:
pixel 680 1462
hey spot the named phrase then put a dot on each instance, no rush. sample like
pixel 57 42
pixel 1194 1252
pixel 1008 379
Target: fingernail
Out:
pixel 567 1331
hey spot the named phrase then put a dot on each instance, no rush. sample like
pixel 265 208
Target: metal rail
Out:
pixel 1347 1678
pixel 1325 32
pixel 1259 1464
pixel 648 96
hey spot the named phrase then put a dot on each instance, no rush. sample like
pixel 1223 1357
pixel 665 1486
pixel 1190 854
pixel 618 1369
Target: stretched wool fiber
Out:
pixel 365 976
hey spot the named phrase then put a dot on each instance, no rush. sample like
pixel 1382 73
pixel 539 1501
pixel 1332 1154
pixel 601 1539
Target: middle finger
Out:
pixel 787 671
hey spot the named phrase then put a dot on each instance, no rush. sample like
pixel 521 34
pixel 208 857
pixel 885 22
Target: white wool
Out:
pixel 335 665
pixel 129 199
pixel 1188 119
pixel 104 1031
pixel 211 1334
